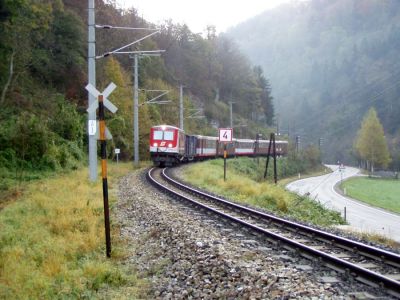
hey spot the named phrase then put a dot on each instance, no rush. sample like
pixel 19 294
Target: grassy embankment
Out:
pixel 321 170
pixel 245 184
pixel 52 242
pixel 383 193
pixel 14 184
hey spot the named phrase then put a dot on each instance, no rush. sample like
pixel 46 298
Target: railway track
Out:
pixel 371 265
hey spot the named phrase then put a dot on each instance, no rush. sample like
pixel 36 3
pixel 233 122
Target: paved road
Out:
pixel 360 216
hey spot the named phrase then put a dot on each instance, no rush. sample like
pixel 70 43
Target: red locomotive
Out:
pixel 167 145
pixel 170 145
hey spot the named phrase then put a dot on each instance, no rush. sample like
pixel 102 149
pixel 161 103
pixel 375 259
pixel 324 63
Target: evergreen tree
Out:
pixel 370 143
pixel 266 97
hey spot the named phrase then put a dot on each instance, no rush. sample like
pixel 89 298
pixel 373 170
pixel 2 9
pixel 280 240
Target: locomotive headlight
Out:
pixel 169 145
pixel 155 145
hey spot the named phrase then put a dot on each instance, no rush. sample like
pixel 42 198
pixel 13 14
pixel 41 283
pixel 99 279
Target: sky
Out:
pixel 197 14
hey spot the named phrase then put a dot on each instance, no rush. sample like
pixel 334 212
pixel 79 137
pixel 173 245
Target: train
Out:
pixel 170 145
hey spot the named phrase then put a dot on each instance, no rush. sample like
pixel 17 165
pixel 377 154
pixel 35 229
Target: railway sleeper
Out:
pixel 365 277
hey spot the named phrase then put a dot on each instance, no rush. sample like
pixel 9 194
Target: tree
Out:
pixel 121 123
pixel 59 56
pixel 266 97
pixel 23 27
pixel 371 143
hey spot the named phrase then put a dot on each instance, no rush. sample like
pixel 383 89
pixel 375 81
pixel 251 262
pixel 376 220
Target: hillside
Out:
pixel 329 61
pixel 43 72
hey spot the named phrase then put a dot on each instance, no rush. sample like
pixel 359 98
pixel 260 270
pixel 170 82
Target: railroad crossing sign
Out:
pixel 93 125
pixel 225 134
pixel 99 129
pixel 95 93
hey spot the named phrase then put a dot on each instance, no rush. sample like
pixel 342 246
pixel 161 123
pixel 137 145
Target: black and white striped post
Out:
pixel 102 103
pixel 103 145
pixel 225 161
pixel 225 136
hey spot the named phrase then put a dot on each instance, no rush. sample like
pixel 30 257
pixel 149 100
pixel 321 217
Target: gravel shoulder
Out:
pixel 188 255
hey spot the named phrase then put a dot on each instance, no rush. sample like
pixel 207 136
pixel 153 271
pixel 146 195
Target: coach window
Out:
pixel 168 135
pixel 158 134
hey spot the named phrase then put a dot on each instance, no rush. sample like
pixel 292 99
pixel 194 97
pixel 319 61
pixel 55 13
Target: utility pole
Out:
pixel 136 90
pixel 297 143
pixel 136 110
pixel 277 124
pixel 320 142
pixel 216 95
pixel 181 106
pixel 135 55
pixel 257 147
pixel 231 115
pixel 92 80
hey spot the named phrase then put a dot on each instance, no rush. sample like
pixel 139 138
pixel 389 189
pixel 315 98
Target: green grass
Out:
pixel 52 242
pixel 13 183
pixel 244 188
pixel 383 193
pixel 321 170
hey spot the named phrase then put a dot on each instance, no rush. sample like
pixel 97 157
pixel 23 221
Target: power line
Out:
pixel 324 179
pixel 358 120
pixel 364 89
pixel 312 120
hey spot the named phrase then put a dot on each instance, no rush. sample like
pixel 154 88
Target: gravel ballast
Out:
pixel 190 255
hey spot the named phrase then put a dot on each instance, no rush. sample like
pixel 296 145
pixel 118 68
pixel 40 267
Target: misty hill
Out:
pixel 328 62
pixel 43 65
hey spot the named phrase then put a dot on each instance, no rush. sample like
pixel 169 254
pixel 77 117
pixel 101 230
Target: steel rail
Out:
pixel 367 250
pixel 364 275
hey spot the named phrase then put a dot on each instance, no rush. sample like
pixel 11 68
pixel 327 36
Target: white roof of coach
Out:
pixel 276 141
pixel 245 141
pixel 213 138
pixel 163 127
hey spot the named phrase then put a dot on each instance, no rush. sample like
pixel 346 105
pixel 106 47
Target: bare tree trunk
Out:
pixel 4 92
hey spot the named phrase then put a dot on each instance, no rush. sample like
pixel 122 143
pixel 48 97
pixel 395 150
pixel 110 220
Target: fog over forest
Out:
pixel 328 63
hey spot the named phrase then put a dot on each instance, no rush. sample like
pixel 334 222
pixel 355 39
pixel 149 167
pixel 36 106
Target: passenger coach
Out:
pixel 170 145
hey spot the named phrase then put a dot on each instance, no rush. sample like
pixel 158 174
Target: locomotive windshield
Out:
pixel 168 135
pixel 163 135
pixel 158 134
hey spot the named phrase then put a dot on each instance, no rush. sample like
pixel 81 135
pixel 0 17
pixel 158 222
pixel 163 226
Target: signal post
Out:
pixel 225 136
pixel 103 134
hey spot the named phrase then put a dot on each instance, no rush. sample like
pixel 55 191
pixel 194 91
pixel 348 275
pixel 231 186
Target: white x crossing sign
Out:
pixel 93 125
pixel 95 93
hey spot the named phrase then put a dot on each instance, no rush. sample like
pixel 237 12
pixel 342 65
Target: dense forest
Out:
pixel 43 72
pixel 329 62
